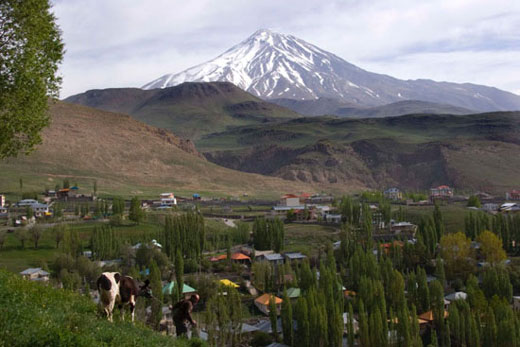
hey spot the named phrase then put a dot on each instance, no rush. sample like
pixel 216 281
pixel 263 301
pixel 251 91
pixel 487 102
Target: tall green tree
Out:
pixel 31 50
pixel 273 317
pixel 136 213
pixel 155 285
pixel 287 320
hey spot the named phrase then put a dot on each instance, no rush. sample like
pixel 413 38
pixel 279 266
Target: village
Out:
pixel 233 258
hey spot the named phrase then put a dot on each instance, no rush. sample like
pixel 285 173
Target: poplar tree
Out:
pixel 302 323
pixel 156 286
pixel 287 320
pixel 273 317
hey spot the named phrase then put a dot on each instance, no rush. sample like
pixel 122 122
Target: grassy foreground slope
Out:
pixel 127 157
pixel 35 315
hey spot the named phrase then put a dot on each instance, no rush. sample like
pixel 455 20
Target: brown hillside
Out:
pixel 127 157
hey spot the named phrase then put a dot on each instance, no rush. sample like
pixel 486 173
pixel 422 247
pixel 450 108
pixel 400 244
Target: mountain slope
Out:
pixel 479 151
pixel 124 156
pixel 189 110
pixel 323 106
pixel 273 65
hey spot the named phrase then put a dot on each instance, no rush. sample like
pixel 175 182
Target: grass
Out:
pixel 16 259
pixel 453 215
pixel 32 314
pixel 309 239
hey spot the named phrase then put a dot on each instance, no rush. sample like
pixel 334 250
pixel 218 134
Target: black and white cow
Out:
pixel 114 288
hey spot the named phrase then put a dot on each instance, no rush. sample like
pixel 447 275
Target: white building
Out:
pixel 35 274
pixel 2 200
pixel 168 199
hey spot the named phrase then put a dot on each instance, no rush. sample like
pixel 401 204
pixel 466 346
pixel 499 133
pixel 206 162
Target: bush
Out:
pixel 261 339
pixel 190 265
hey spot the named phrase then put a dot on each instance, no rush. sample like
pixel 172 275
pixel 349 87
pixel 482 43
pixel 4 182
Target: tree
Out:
pixel 3 236
pixel 136 213
pixel 155 285
pixel 491 247
pixel 350 326
pixel 179 274
pixel 456 252
pixel 474 201
pixel 36 234
pixel 22 236
pixel 59 233
pixel 287 320
pixel 273 317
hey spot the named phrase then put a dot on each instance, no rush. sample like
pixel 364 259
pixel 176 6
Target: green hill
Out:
pixel 32 314
pixel 189 110
pixel 479 151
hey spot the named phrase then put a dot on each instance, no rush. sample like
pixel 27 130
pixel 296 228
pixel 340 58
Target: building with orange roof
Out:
pixel 428 316
pixel 240 258
pixel 262 303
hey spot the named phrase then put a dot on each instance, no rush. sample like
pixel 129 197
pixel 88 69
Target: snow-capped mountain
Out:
pixel 272 65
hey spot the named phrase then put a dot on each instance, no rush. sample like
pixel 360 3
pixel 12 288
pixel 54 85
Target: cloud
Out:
pixel 121 43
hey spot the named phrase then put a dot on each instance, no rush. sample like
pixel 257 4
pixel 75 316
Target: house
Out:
pixel 262 303
pixel 73 192
pixel 484 196
pixel 63 193
pixel 456 296
pixel 403 228
pixel 513 194
pixel 441 193
pixel 26 202
pixel 345 323
pixel 490 207
pixel 228 283
pixel 290 200
pixel 240 258
pixel 320 199
pixel 333 218
pixel 294 293
pixel 153 243
pixel 428 316
pixel 393 194
pixel 274 258
pixel 510 207
pixel 294 257
pixel 35 274
pixel 260 255
pixel 168 199
pixel 186 289
pixel 516 303
pixel 40 210
pixel 2 201
pixel 218 258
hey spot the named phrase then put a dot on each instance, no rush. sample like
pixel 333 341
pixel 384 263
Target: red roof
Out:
pixel 288 196
pixel 305 195
pixel 514 191
pixel 240 256
pixel 443 187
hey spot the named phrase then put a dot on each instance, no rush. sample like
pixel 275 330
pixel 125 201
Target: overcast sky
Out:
pixel 127 43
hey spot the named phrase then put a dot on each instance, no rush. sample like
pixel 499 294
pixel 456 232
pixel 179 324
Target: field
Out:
pixel 309 239
pixel 16 259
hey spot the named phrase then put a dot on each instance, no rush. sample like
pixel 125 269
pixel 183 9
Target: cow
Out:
pixel 114 288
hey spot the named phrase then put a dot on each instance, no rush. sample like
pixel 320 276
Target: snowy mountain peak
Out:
pixel 273 65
